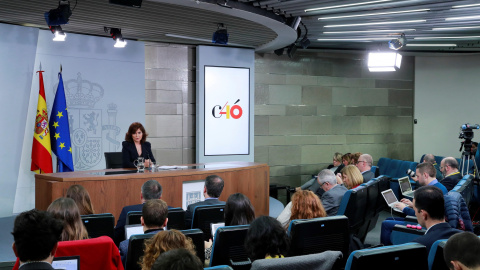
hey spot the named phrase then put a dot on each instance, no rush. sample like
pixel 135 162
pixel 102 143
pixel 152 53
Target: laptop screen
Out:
pixel 405 185
pixel 389 196
pixel 66 263
pixel 133 229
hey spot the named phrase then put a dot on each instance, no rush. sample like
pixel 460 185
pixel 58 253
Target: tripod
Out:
pixel 466 159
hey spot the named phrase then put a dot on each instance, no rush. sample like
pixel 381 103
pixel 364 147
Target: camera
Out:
pixel 467 134
pixel 411 173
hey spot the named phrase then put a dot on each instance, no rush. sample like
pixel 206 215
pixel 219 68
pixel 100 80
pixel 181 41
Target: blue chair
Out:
pixel 204 215
pixel 99 224
pixel 435 257
pixel 401 234
pixel 197 238
pixel 465 187
pixel 393 168
pixel 370 211
pixel 219 267
pixel 228 247
pixel 382 165
pixel 412 256
pixel 353 205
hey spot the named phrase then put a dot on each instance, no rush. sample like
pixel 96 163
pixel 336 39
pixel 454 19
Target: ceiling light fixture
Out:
pixel 353 39
pixel 462 18
pixel 372 31
pixel 384 61
pixel 59 15
pixel 457 37
pixel 225 4
pixel 305 42
pixel 374 14
pixel 454 28
pixel 58 34
pixel 116 34
pixel 346 5
pixel 373 23
pixel 221 35
pixel 398 43
pixel 464 6
pixel 431 45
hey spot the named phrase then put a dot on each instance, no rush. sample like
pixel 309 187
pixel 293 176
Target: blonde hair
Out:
pixel 354 175
pixel 82 199
pixel 162 242
pixel 66 210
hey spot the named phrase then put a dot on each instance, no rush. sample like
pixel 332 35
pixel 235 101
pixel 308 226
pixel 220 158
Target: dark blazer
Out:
pixel 367 176
pixel 451 181
pixel 331 199
pixel 436 232
pixel 130 154
pixel 36 266
pixel 123 247
pixel 191 208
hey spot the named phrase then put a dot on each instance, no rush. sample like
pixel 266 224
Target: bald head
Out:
pixel 430 158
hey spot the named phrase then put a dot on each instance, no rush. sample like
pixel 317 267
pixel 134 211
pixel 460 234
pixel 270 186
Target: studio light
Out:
pixel 292 49
pixel 59 15
pixel 305 42
pixel 397 44
pixel 279 52
pixel 116 34
pixel 58 34
pixel 221 35
pixel 384 61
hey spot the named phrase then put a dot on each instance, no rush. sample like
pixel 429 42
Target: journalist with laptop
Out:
pixel 405 187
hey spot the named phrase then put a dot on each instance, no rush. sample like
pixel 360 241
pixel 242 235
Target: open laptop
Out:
pixel 391 199
pixel 405 187
pixel 215 226
pixel 66 263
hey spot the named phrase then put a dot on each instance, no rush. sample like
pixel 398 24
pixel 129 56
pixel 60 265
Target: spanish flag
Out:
pixel 41 148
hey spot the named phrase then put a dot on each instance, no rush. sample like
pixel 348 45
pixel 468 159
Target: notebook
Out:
pixel 405 187
pixel 391 199
pixel 66 263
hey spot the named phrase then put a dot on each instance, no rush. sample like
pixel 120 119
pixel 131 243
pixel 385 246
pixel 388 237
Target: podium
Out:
pixel 111 190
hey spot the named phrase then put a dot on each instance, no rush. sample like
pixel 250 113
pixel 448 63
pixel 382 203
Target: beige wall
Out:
pixel 305 109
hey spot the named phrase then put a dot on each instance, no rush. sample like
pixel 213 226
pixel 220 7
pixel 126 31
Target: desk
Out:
pixel 110 193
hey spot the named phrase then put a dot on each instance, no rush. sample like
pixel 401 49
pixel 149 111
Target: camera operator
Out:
pixel 449 168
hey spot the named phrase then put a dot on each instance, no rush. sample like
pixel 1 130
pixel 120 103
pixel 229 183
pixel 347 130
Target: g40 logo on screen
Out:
pixel 234 111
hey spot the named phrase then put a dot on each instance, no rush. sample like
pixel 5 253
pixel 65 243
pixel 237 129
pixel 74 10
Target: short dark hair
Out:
pixel 266 236
pixel 428 168
pixel 214 185
pixel 151 190
pixel 35 234
pixel 132 129
pixel 154 213
pixel 238 210
pixel 430 199
pixel 177 259
pixel 463 247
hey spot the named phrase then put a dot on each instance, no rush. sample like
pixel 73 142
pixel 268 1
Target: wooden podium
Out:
pixel 110 192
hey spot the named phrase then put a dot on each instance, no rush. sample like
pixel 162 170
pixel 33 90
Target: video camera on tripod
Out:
pixel 466 133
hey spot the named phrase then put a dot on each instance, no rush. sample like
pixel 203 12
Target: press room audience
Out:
pixel 266 239
pixel 177 259
pixel 364 164
pixel 429 207
pixel 211 191
pixel 430 158
pixel 333 192
pixel 154 218
pixel 347 159
pixel 449 168
pixel 335 167
pixel 66 210
pixel 461 252
pixel 150 190
pixel 162 242
pixel 304 205
pixel 82 199
pixel 350 177
pixel 36 235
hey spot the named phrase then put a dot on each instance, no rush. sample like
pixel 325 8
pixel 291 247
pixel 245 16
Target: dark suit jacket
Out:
pixel 36 266
pixel 130 154
pixel 367 176
pixel 332 198
pixel 451 181
pixel 191 207
pixel 436 232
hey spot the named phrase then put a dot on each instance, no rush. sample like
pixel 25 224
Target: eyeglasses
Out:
pixel 360 161
pixel 323 184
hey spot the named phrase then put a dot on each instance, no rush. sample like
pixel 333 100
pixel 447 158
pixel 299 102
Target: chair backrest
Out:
pixel 370 219
pixel 95 254
pixel 383 165
pixel 353 205
pixel 412 256
pixel 204 215
pixel 321 261
pixel 309 236
pixel 99 225
pixel 176 219
pixel 197 238
pixel 393 168
pixel 465 187
pixel 113 160
pixel 219 267
pixel 401 234
pixel 228 247
pixel 383 184
pixel 435 257
pixel 133 217
pixel 135 250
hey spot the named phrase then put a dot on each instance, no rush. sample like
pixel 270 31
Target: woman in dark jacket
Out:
pixel 135 145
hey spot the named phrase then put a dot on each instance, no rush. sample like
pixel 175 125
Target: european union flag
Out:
pixel 60 131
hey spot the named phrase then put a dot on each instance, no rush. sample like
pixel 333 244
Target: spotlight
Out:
pixel 397 44
pixel 58 34
pixel 279 52
pixel 225 4
pixel 59 15
pixel 116 34
pixel 294 22
pixel 305 42
pixel 292 49
pixel 221 35
pixel 384 61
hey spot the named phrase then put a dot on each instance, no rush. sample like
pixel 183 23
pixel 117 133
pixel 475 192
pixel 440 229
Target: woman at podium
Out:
pixel 135 145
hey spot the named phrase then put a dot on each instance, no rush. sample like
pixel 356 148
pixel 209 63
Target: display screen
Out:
pixel 227 111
